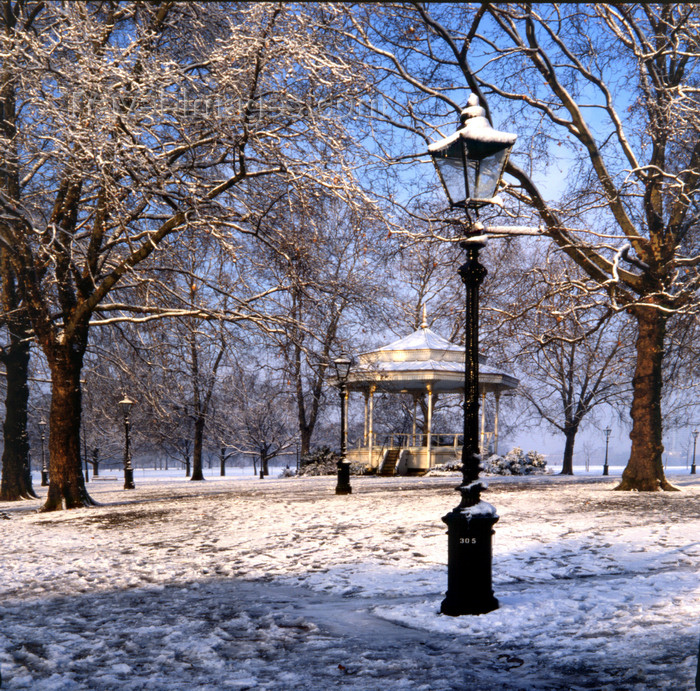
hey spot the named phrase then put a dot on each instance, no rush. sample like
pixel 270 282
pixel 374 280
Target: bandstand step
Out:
pixel 391 458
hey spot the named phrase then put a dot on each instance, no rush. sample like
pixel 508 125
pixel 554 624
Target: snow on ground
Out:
pixel 240 583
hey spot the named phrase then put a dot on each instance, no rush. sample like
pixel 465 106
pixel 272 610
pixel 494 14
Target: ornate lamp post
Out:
pixel 695 441
pixel 125 407
pixel 44 465
pixel 470 164
pixel 607 432
pixel 342 366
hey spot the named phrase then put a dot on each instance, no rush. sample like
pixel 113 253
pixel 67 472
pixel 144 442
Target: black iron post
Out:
pixel 607 431
pixel 128 470
pixel 342 367
pixel 470 164
pixel 222 467
pixel 470 524
pixel 695 441
pixel 44 465
pixel 343 486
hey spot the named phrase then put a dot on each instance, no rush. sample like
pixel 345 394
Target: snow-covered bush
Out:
pixel 323 461
pixel 454 466
pixel 515 462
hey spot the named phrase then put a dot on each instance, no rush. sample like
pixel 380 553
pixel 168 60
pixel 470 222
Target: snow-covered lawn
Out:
pixel 239 583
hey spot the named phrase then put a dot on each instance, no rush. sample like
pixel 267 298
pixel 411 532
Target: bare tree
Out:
pixel 571 354
pixel 426 283
pixel 608 95
pixel 263 417
pixel 140 121
pixel 328 256
pixel 16 482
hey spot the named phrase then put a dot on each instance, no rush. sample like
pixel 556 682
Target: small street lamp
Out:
pixel 470 163
pixel 607 432
pixel 125 406
pixel 695 441
pixel 342 367
pixel 44 464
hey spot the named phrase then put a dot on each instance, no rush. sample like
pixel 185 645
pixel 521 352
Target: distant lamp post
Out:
pixel 125 406
pixel 607 432
pixel 695 441
pixel 470 163
pixel 342 367
pixel 44 465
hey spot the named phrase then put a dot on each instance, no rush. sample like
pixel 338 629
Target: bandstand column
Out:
pixel 429 425
pixel 364 438
pixel 370 428
pixel 415 412
pixel 483 421
pixel 495 423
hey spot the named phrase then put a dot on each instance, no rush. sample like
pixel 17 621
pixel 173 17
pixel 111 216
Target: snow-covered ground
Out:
pixel 240 583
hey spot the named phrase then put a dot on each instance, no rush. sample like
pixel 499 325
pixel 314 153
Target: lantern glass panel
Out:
pixel 483 173
pixel 450 166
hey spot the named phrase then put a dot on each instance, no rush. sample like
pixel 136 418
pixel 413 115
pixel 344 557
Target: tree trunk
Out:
pixel 305 438
pixel 197 451
pixel 16 481
pixel 567 467
pixel 66 482
pixel 264 465
pixel 644 471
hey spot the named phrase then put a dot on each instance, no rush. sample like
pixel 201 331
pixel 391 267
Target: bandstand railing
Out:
pixel 403 440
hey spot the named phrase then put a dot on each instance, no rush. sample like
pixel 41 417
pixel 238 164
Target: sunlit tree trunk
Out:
pixel 644 471
pixel 66 481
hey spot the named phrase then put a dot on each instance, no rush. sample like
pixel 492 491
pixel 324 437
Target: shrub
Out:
pixel 321 461
pixel 324 461
pixel 515 462
pixel 449 467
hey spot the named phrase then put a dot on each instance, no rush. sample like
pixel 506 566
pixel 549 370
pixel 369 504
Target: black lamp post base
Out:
pixel 605 470
pixel 469 556
pixel 692 469
pixel 457 607
pixel 343 486
pixel 44 478
pixel 129 479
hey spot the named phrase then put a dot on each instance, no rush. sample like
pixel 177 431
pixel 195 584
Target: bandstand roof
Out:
pixel 421 358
